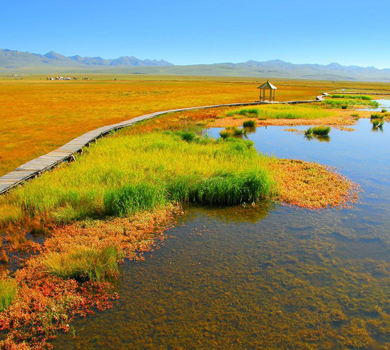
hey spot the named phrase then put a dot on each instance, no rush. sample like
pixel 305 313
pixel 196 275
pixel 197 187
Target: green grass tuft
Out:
pixel 7 293
pixel 318 131
pixel 309 132
pixel 225 134
pixel 84 263
pixel 377 116
pixel 249 124
pixel 231 131
pixel 131 198
pixel 223 189
pixel 187 136
pixel 321 130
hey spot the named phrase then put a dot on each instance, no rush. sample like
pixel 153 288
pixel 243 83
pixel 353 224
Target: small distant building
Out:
pixel 264 91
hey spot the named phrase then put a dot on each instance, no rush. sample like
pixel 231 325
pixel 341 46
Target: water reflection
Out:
pixel 249 130
pixel 377 128
pixel 236 214
pixel 318 138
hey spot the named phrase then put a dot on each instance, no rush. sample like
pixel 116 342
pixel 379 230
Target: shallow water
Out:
pixel 265 277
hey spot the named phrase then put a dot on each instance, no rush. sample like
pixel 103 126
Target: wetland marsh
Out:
pixel 277 267
pixel 265 277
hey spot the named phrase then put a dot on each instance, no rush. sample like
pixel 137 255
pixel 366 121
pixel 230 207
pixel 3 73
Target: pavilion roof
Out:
pixel 267 85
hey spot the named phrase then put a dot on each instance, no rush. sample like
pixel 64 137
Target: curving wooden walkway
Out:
pixel 37 166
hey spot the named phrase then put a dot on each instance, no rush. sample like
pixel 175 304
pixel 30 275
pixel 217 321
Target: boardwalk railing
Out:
pixel 37 166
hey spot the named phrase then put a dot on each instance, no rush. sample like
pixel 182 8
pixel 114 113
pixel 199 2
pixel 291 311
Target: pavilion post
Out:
pixel 272 91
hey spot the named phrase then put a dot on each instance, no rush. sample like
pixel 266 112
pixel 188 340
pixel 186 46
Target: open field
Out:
pixel 39 116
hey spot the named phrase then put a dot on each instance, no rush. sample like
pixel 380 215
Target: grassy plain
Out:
pixel 38 116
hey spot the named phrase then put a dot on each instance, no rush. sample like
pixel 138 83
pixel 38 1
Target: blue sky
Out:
pixel 191 32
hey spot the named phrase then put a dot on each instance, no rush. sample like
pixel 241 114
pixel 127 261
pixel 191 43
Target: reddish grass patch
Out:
pixel 313 186
pixel 45 304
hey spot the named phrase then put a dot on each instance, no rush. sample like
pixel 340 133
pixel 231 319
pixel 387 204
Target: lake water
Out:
pixel 265 277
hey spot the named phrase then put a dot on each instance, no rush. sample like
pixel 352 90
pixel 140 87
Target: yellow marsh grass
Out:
pixel 78 190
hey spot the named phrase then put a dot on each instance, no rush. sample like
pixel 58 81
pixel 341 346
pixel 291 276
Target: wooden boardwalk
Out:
pixel 37 166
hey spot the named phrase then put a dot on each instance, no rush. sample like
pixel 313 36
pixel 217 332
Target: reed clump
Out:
pixel 133 198
pixel 7 292
pixel 376 123
pixel 249 124
pixel 318 131
pixel 377 116
pixel 225 188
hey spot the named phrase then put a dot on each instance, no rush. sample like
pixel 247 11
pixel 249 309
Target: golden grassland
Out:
pixel 37 116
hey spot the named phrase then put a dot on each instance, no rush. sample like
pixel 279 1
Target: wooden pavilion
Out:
pixel 272 91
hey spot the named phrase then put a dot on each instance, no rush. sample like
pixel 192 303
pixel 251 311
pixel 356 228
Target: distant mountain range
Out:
pixel 17 61
pixel 13 59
